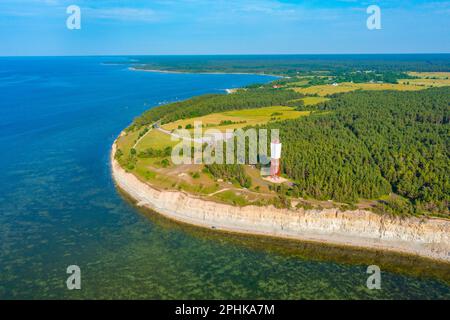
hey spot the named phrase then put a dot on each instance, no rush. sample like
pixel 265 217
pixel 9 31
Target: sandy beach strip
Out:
pixel 204 72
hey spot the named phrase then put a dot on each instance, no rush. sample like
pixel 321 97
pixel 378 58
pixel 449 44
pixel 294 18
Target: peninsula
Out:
pixel 365 161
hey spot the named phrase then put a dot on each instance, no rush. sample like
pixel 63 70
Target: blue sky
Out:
pixel 120 27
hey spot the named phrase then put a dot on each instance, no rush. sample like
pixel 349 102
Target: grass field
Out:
pixel 156 140
pixel 428 79
pixel 325 90
pixel 431 75
pixel 423 82
pixel 299 83
pixel 126 142
pixel 240 118
pixel 191 178
pixel 311 101
pixel 153 139
pixel 231 197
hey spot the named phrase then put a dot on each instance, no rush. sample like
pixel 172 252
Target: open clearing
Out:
pixel 156 140
pixel 427 83
pixel 126 141
pixel 431 75
pixel 428 79
pixel 239 118
pixel 328 89
pixel 311 101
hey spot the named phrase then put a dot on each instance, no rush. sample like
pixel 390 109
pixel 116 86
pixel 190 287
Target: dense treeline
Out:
pixel 369 143
pixel 294 64
pixel 206 104
pixel 327 161
pixel 361 76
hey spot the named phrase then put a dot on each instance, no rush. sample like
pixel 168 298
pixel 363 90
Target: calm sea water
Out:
pixel 59 206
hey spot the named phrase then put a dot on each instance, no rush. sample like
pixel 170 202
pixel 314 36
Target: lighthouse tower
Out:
pixel 275 156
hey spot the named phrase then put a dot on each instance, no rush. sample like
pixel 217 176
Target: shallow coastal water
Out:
pixel 59 206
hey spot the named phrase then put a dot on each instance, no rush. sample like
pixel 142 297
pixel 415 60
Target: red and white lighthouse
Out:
pixel 275 156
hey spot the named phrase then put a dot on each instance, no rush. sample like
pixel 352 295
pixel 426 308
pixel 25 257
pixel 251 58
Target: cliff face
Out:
pixel 425 237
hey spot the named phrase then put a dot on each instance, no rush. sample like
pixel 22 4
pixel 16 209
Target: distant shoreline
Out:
pixel 218 73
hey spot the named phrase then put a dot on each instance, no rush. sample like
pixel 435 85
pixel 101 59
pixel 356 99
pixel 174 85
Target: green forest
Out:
pixel 370 144
pixel 289 65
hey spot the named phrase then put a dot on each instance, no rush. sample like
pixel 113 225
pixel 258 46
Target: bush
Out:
pixel 165 163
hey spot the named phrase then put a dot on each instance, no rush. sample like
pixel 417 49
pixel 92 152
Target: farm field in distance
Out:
pixel 428 79
pixel 421 80
pixel 329 89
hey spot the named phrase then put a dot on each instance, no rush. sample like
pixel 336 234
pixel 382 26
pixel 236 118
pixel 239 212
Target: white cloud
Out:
pixel 125 14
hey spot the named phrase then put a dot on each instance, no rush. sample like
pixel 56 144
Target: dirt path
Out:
pixel 218 191
pixel 139 140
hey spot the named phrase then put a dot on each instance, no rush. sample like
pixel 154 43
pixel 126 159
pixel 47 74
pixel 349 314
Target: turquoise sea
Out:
pixel 59 206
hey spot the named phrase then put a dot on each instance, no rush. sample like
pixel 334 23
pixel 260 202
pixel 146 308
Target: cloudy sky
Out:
pixel 108 27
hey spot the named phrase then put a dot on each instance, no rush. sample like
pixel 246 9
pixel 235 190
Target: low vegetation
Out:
pixel 330 89
pixel 292 65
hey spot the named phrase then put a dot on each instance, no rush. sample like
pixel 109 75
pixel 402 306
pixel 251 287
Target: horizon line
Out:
pixel 220 54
